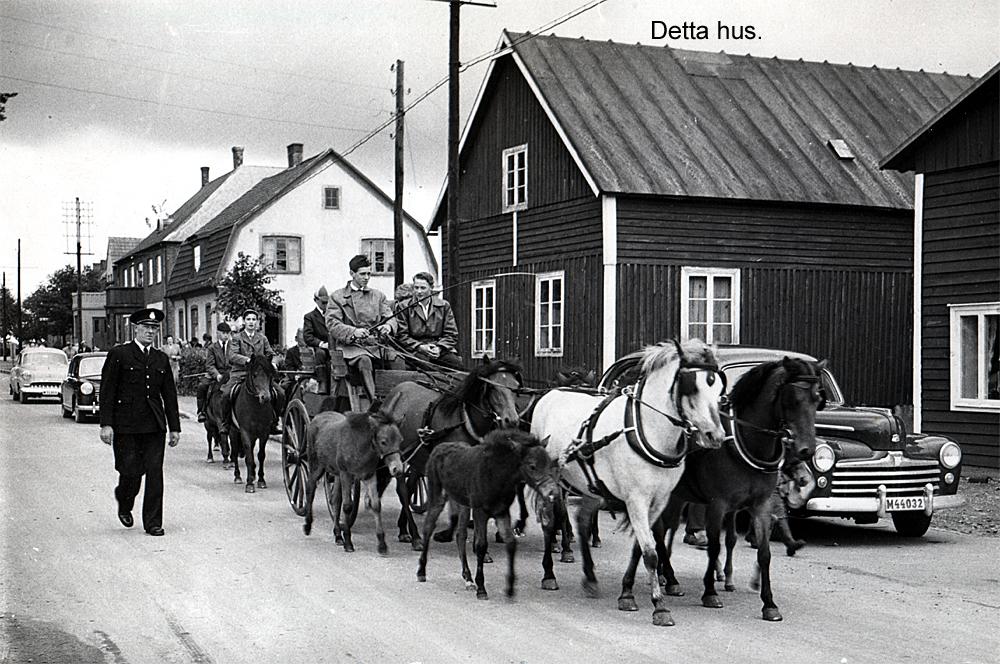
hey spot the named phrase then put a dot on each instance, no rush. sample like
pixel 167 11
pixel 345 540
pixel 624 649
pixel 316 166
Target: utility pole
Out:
pixel 397 208
pixel 20 322
pixel 78 213
pixel 6 321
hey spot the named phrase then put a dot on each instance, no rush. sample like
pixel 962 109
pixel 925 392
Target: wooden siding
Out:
pixel 724 233
pixel 961 252
pixel 858 320
pixel 967 136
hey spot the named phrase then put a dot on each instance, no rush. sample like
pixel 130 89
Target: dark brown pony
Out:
pixel 253 414
pixel 213 418
pixel 483 479
pixel 773 406
pixel 482 402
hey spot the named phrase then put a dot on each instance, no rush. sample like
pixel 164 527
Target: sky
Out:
pixel 120 103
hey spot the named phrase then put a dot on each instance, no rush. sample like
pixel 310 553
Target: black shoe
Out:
pixel 155 531
pixel 201 417
pixel 126 519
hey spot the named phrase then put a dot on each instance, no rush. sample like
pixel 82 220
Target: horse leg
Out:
pixel 248 446
pixel 713 527
pixel 227 450
pixel 480 520
pixel 407 525
pixel 461 537
pixel 584 517
pixel 237 452
pixel 626 601
pixel 376 504
pixel 347 498
pixel 549 535
pixel 261 484
pixel 595 532
pixel 333 479
pixel 731 536
pixel 510 543
pixel 761 522
pixel 447 533
pixel 435 504
pixel 311 480
pixel 639 514
pixel 561 514
pixel 670 521
pixel 210 437
pixel 522 519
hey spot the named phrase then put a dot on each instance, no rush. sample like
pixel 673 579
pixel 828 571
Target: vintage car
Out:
pixel 37 372
pixel 866 466
pixel 81 388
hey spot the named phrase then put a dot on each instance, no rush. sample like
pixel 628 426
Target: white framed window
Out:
pixel 197 257
pixel 282 254
pixel 159 269
pixel 331 198
pixel 549 314
pixel 139 280
pixel 381 252
pixel 973 356
pixel 150 275
pixel 484 310
pixel 515 178
pixel 710 304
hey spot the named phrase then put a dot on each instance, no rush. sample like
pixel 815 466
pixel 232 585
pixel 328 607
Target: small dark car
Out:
pixel 866 466
pixel 81 389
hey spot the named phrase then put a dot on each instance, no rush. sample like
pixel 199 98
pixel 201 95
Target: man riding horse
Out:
pixel 216 366
pixel 244 345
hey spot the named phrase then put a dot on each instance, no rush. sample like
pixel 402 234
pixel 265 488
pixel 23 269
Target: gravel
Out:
pixel 980 515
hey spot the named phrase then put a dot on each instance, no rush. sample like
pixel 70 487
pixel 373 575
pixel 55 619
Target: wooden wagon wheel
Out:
pixel 294 464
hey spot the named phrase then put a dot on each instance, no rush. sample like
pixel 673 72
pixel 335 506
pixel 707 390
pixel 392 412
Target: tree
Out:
pixel 4 96
pixel 49 310
pixel 245 286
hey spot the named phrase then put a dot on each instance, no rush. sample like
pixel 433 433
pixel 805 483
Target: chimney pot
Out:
pixel 237 157
pixel 204 175
pixel 294 154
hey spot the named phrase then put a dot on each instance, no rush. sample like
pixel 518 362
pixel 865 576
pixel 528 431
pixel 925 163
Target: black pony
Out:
pixel 253 413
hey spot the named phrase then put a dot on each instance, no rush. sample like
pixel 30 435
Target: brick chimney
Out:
pixel 204 175
pixel 237 157
pixel 294 154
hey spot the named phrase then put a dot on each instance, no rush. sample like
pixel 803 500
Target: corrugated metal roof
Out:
pixel 671 122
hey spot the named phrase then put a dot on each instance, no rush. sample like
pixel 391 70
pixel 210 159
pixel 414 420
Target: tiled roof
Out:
pixel 117 247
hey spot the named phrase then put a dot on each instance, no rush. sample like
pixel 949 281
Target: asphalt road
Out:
pixel 235 580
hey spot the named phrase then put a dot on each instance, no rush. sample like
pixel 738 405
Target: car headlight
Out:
pixel 25 377
pixel 823 458
pixel 87 388
pixel 950 455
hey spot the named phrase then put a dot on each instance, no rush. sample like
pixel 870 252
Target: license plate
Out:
pixel 902 504
pixel 50 393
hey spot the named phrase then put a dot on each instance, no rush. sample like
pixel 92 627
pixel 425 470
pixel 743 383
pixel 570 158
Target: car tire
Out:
pixel 911 524
pixel 65 413
pixel 78 415
pixel 22 397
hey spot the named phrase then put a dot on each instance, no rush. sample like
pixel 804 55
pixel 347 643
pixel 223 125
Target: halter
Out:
pixel 251 388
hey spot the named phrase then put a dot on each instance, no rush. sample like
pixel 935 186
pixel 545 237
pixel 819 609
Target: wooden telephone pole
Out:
pixel 397 208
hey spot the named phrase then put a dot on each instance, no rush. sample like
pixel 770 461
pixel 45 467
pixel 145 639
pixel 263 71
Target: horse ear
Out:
pixel 590 377
pixel 821 364
pixel 544 442
pixel 389 407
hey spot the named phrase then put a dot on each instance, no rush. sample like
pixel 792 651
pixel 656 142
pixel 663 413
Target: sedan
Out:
pixel 81 389
pixel 37 373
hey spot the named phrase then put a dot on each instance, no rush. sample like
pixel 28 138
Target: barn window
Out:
pixel 282 255
pixel 515 178
pixel 710 304
pixel 382 253
pixel 331 198
pixel 974 356
pixel 484 318
pixel 197 257
pixel 549 311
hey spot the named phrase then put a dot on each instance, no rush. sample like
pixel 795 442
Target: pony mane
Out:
pixel 258 360
pixel 753 382
pixel 503 439
pixel 358 422
pixel 694 351
pixel 471 388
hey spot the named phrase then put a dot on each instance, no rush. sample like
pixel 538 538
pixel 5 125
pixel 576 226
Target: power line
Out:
pixel 181 106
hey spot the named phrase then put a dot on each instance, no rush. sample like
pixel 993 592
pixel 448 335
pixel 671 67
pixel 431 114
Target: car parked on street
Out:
pixel 866 465
pixel 81 388
pixel 37 373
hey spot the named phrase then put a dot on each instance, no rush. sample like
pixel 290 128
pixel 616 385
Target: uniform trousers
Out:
pixel 138 454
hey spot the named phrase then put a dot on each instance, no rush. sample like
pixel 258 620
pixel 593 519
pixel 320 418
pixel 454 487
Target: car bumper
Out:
pixel 40 391
pixel 93 408
pixel 876 505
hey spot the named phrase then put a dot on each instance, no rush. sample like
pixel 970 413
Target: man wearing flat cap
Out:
pixel 244 345
pixel 216 366
pixel 315 335
pixel 355 316
pixel 138 406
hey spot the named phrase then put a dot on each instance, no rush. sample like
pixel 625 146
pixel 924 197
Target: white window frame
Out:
pixel 550 277
pixel 711 273
pixel 508 181
pixel 370 245
pixel 197 257
pixel 955 313
pixel 275 238
pixel 150 276
pixel 331 207
pixel 159 269
pixel 140 280
pixel 478 336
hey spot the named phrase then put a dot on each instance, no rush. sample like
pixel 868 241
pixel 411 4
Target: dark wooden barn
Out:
pixel 957 270
pixel 639 193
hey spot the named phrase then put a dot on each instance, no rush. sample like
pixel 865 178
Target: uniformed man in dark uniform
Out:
pixel 138 406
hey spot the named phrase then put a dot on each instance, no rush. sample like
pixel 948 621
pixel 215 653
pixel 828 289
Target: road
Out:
pixel 235 580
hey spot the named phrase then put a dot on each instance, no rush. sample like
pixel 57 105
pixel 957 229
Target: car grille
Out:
pixel 45 386
pixel 907 481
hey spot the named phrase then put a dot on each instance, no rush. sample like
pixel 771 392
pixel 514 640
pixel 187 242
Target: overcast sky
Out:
pixel 121 103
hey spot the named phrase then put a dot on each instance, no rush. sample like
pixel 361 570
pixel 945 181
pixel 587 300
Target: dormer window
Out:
pixel 197 257
pixel 515 178
pixel 841 149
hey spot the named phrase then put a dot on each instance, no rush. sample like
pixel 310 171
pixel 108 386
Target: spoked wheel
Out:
pixel 416 484
pixel 294 464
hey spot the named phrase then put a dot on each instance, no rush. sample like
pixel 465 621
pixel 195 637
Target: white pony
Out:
pixel 627 449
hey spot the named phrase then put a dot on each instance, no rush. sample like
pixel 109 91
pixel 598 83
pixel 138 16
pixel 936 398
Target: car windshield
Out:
pixel 43 360
pixel 91 366
pixel 833 393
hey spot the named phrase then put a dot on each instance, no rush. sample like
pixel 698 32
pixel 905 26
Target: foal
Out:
pixel 484 479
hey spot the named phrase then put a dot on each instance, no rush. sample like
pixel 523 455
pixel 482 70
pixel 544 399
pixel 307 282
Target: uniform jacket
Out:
pixel 438 326
pixel 348 310
pixel 314 328
pixel 138 395
pixel 242 347
pixel 217 361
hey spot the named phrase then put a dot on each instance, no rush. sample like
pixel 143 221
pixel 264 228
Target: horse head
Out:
pixel 536 469
pixel 386 435
pixel 696 386
pixel 488 393
pixel 797 399
pixel 260 373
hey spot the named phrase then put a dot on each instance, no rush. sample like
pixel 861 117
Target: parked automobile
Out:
pixel 37 373
pixel 866 466
pixel 81 389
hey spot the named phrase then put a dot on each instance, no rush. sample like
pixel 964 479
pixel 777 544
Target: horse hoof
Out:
pixel 771 615
pixel 596 543
pixel 711 602
pixel 627 604
pixel 307 528
pixel 487 558
pixel 383 548
pixel 405 538
pixel 482 594
pixel 567 557
pixel 549 584
pixel 422 578
pixel 729 588
pixel 237 479
pixel 209 460
pixel 338 539
pixel 416 545
pixel 261 484
pixel 793 547
pixel 673 590
pixel 662 618
pixel 519 532
pixel 249 489
pixel 720 577
pixel 348 548
pixel 470 584
pixel 591 589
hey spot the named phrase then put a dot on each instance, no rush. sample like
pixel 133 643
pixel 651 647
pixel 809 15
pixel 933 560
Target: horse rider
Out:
pixel 355 316
pixel 138 407
pixel 426 325
pixel 243 346
pixel 316 335
pixel 216 367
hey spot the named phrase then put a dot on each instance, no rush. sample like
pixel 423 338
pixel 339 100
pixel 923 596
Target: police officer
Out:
pixel 138 406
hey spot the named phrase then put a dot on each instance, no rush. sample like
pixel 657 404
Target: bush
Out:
pixel 193 361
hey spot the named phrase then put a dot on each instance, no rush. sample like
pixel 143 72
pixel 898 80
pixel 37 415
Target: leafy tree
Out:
pixel 245 286
pixel 4 96
pixel 49 310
